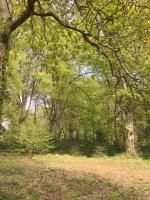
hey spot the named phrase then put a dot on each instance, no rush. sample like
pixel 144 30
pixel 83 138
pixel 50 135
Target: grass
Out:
pixel 63 177
pixel 123 158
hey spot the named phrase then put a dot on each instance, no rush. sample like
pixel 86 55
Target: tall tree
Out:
pixel 8 23
pixel 111 27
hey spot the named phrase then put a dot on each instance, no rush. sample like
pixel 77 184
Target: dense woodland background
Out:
pixel 75 76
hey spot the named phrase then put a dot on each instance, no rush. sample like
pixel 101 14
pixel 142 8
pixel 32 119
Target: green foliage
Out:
pixel 87 148
pixel 35 138
pixel 83 93
pixel 115 195
pixel 31 139
pixel 9 142
pixel 6 196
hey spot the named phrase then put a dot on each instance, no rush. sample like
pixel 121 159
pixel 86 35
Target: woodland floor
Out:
pixel 64 177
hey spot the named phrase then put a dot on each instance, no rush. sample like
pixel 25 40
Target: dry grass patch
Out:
pixel 57 178
pixel 129 173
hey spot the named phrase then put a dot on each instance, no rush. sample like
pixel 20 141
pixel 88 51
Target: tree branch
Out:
pixel 61 22
pixel 23 17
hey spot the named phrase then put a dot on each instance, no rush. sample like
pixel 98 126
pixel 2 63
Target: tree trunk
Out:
pixel 68 131
pixel 129 133
pixel 35 112
pixel 2 77
pixel 56 130
pixel 4 18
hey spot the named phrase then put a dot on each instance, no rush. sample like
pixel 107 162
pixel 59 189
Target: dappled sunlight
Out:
pixel 124 171
pixel 49 176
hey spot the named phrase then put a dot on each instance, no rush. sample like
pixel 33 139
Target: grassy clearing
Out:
pixel 62 177
pixel 122 158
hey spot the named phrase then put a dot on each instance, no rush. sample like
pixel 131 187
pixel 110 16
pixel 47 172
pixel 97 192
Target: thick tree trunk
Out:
pixel 126 107
pixel 68 131
pixel 56 118
pixel 4 19
pixel 129 133
pixel 22 117
pixel 2 77
pixel 56 130
pixel 23 113
pixel 7 26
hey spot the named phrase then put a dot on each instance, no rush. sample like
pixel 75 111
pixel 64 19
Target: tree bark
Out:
pixel 35 112
pixel 129 133
pixel 68 131
pixel 7 26
pixel 2 78
pixel 4 18
pixel 65 131
pixel 56 130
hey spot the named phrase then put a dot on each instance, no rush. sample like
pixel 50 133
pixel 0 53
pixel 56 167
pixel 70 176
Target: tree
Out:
pixel 111 27
pixel 7 25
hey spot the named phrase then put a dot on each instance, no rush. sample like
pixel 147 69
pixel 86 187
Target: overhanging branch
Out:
pixel 61 22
